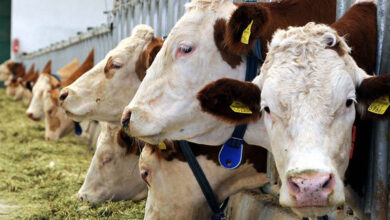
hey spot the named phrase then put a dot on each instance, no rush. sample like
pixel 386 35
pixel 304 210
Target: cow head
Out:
pixel 35 109
pixel 57 124
pixel 113 173
pixel 102 92
pixel 310 88
pixel 201 48
pixel 169 177
pixel 5 72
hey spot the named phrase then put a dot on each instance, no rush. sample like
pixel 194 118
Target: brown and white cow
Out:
pixel 18 71
pixel 24 88
pixel 174 192
pixel 203 46
pixel 102 93
pixel 35 109
pixel 47 82
pixel 114 172
pixel 57 124
pixel 5 72
pixel 308 90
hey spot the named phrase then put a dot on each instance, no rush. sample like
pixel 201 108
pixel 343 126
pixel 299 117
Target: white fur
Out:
pixel 306 86
pixel 116 180
pixel 95 97
pixel 175 194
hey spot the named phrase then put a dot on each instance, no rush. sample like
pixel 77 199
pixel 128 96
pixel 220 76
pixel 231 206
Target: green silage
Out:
pixel 40 179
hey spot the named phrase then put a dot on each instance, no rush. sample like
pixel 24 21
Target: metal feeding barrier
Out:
pixel 163 14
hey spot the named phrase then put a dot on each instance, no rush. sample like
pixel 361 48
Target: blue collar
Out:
pixel 58 77
pixel 230 155
pixel 78 130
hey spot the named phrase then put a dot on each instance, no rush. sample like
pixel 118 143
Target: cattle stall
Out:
pixel 162 15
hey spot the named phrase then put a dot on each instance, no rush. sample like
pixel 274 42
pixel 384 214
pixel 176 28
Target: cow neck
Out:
pixel 78 130
pixel 230 155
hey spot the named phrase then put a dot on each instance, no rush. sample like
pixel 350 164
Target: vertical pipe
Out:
pixel 381 129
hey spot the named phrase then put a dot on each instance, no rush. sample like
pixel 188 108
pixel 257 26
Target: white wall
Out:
pixel 38 23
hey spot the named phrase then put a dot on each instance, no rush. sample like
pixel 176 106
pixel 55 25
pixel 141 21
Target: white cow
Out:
pixel 113 173
pixel 102 93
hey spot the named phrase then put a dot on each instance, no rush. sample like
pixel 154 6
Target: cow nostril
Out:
pixel 64 95
pixel 293 186
pixel 30 115
pixel 81 198
pixel 328 183
pixel 126 119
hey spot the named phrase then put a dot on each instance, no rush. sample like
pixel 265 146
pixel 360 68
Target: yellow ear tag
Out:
pixel 239 107
pixel 162 146
pixel 380 105
pixel 246 34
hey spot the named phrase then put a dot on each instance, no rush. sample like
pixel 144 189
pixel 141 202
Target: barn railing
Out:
pixel 162 15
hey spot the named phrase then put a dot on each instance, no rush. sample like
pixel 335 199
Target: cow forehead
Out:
pixel 302 75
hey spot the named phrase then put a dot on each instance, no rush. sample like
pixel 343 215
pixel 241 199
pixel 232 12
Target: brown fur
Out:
pixel 107 68
pixel 55 122
pixel 216 97
pixel 87 65
pixel 146 58
pixel 132 145
pixel 358 25
pixel 47 68
pixel 219 32
pixel 251 154
pixel 268 17
pixel 18 70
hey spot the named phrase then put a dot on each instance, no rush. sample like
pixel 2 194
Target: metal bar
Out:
pixel 381 129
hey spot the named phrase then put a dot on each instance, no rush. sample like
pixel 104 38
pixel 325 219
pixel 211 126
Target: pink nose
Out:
pixel 311 189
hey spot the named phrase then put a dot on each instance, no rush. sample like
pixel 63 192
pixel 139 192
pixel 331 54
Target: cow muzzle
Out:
pixel 312 189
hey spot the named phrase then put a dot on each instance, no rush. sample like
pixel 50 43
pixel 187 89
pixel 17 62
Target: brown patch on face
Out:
pixel 54 121
pixel 132 145
pixel 107 68
pixel 219 34
pixel 85 67
pixel 216 98
pixel 146 58
pixel 239 21
pixel 253 154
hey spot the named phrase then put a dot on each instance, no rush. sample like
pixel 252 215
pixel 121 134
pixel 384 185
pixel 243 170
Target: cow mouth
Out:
pixel 73 116
pixel 313 210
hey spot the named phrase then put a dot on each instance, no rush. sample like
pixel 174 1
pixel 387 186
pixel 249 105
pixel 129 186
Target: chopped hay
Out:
pixel 40 179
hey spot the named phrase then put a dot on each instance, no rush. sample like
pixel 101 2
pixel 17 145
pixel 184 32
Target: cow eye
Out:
pixel 185 49
pixel 145 174
pixel 349 102
pixel 106 160
pixel 116 65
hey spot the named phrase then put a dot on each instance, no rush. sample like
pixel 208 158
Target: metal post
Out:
pixel 381 129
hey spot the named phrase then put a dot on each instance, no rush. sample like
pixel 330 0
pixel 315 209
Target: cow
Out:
pixel 208 38
pixel 113 174
pixel 307 94
pixel 174 193
pixel 5 72
pixel 57 124
pixel 46 82
pixel 102 93
pixel 18 70
pixel 24 89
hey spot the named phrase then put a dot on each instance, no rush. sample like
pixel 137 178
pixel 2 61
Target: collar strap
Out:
pixel 230 155
pixel 78 130
pixel 203 183
pixel 58 77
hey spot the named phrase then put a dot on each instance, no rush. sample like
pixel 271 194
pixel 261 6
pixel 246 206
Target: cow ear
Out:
pixel 146 58
pixel 244 27
pixel 373 97
pixel 231 100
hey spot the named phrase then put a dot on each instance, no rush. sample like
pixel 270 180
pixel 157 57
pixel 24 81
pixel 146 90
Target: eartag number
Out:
pixel 162 146
pixel 239 107
pixel 380 105
pixel 246 34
